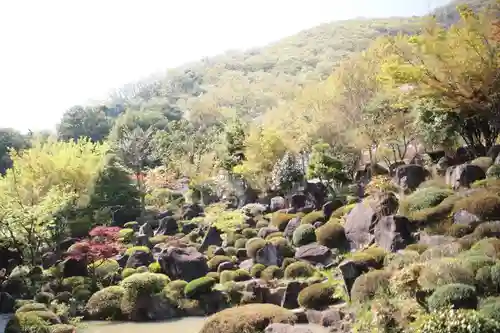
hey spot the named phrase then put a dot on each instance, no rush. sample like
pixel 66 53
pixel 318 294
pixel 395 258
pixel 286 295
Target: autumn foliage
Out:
pixel 102 244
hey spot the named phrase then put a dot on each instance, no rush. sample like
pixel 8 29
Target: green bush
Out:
pixel 298 270
pixel 456 321
pixel 216 261
pixel 253 245
pixel 154 267
pixel 457 295
pixel 440 272
pixel 280 220
pixel 277 234
pixel 175 289
pixel 287 262
pixel 27 323
pixel 105 304
pixel 316 296
pixel 271 273
pixel 366 286
pixel 71 283
pixel 137 286
pixel 250 318
pixel 473 262
pixel 44 297
pixel 447 250
pixel 256 270
pixel 488 279
pixel 232 237
pixel 130 251
pixel 483 204
pixel 483 162
pixel 304 234
pixel 127 272
pixel 439 214
pixel 342 211
pixel 102 268
pixel 126 235
pixel 313 217
pixel 400 259
pixel 331 235
pixel 226 276
pixel 423 198
pixel 240 243
pixel 199 286
pixel 493 171
pixel 249 233
pixel 142 269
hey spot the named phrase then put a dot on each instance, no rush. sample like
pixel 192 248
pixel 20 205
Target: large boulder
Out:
pixel 167 226
pixel 49 259
pixel 212 237
pixel 393 233
pixel 361 221
pixel 192 211
pixel 292 291
pixel 351 270
pixel 268 255
pixel 73 267
pixel 297 202
pixel 139 258
pixel 463 175
pixel 409 176
pixel 277 203
pixel 315 254
pixel 183 263
pixel 291 226
pixel 146 230
pixel 330 206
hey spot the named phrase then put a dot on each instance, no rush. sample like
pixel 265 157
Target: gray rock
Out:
pixel 183 263
pixel 315 254
pixel 393 233
pixel 268 255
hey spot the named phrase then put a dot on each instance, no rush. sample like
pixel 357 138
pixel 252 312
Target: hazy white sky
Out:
pixel 57 53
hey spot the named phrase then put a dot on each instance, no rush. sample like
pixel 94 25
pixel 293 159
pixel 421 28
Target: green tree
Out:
pixel 323 165
pixel 44 181
pixel 287 172
pixel 10 139
pixel 78 122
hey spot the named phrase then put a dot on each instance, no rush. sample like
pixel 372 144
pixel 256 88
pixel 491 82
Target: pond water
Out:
pixel 184 325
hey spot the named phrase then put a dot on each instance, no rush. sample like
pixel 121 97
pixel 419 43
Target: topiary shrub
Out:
pixel 483 162
pixel 216 261
pixel 127 272
pixel 457 295
pixel 366 286
pixel 131 250
pixel 439 214
pixel 73 282
pixel 483 204
pixel 250 318
pixel 331 235
pixel 105 304
pixel 493 171
pixel 456 321
pixel 440 272
pixel 175 290
pixel 447 250
pixel 253 245
pixel 240 243
pixel 271 273
pixel 313 217
pixel 316 296
pixel 256 270
pixel 423 198
pixel 298 270
pixel 303 235
pixel 280 220
pixel 287 262
pixel 126 235
pixel 199 286
pixel 44 297
pixel 140 286
pixel 420 248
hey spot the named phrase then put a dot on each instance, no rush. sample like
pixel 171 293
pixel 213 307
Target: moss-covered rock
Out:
pixel 106 303
pixel 216 261
pixel 256 270
pixel 369 284
pixel 483 204
pixel 459 296
pixel 317 296
pixel 271 273
pixel 126 235
pixel 199 286
pixel 304 234
pixel 298 270
pixel 253 245
pixel 280 220
pixel 331 235
pixel 313 217
pixel 423 198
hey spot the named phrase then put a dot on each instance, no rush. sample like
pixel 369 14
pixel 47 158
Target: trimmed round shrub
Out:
pixel 105 304
pixel 457 295
pixel 250 318
pixel 253 245
pixel 287 262
pixel 126 235
pixel 249 233
pixel 342 211
pixel 131 250
pixel 273 235
pixel 140 285
pixel 366 286
pixel 440 272
pixel 231 251
pixel 261 224
pixel 44 297
pixel 271 273
pixel 331 235
pixel 447 250
pixel 199 286
pixel 420 248
pixel 127 272
pixel 105 267
pixel 456 321
pixel 423 198
pixel 240 243
pixel 483 162
pixel 280 220
pixel 313 217
pixel 316 296
pixel 303 235
pixel 298 270
pixel 256 270
pixel 216 261
pixel 493 171
pixel 483 204
pixel 71 283
pixel 154 267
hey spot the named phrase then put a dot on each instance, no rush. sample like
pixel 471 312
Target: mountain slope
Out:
pixel 248 83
